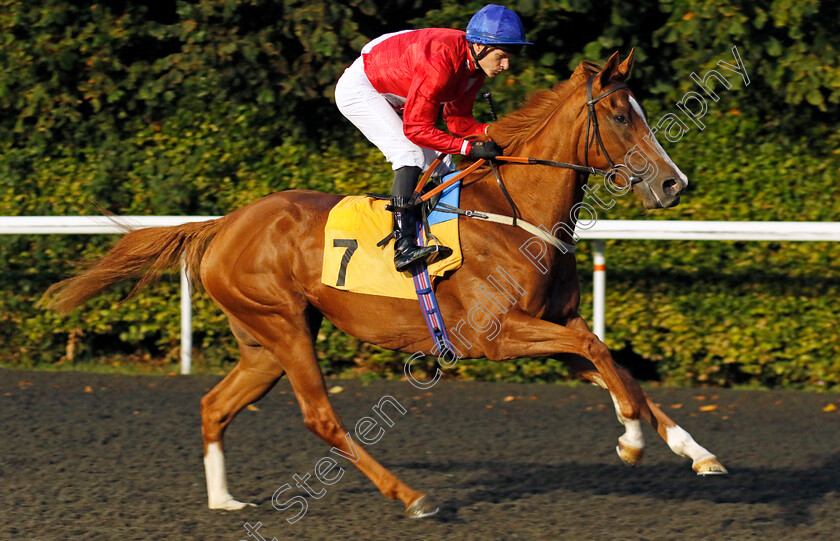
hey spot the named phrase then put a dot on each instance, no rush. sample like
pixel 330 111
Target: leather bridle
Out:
pixel 593 120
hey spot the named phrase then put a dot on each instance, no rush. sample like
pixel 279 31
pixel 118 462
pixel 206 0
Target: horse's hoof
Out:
pixel 709 466
pixel 231 505
pixel 629 455
pixel 421 508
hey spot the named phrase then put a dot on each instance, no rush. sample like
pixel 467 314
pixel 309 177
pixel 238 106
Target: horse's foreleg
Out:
pixel 254 376
pixel 525 336
pixel 681 442
pixel 631 444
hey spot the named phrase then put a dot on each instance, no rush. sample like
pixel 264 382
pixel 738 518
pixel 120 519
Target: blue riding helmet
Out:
pixel 496 25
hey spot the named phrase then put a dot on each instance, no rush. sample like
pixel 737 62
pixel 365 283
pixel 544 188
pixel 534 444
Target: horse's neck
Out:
pixel 545 196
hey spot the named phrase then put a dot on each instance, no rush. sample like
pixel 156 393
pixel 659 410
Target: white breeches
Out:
pixel 377 118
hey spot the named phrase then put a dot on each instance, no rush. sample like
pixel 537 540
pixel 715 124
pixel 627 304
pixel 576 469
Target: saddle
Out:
pixel 356 258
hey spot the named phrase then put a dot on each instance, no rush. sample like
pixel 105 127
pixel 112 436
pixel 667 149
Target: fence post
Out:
pixel 599 289
pixel 186 322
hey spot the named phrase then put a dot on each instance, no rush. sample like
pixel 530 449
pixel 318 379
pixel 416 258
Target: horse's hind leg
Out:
pixel 288 339
pixel 631 444
pixel 254 375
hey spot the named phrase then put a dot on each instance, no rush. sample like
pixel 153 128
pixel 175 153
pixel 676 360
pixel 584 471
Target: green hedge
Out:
pixel 201 107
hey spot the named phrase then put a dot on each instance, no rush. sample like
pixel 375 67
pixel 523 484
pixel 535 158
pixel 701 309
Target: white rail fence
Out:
pixel 601 230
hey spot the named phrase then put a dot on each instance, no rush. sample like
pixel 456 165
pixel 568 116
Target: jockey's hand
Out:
pixel 484 150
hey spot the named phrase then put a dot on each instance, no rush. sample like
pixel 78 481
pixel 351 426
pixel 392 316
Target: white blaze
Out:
pixel 659 149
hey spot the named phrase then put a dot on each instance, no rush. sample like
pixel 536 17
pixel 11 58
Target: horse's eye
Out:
pixel 621 119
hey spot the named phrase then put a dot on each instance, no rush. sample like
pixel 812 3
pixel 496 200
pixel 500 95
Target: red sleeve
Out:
pixel 459 116
pixel 422 105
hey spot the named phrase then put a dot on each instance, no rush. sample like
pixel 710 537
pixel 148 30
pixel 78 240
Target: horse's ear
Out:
pixel 609 70
pixel 626 67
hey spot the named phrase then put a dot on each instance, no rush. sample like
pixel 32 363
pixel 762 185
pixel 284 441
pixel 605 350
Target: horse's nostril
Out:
pixel 670 187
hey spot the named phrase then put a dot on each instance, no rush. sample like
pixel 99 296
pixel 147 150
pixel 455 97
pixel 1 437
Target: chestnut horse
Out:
pixel 262 265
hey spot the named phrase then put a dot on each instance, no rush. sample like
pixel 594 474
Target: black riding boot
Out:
pixel 406 251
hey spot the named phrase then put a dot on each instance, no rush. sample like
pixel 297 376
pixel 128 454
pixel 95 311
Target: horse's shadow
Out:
pixel 792 491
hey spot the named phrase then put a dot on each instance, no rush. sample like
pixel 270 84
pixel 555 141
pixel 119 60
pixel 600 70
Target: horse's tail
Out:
pixel 143 254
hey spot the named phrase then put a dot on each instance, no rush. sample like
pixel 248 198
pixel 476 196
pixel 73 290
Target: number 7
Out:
pixel 351 245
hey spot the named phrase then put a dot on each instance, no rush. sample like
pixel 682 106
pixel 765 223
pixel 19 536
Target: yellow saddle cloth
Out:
pixel 353 261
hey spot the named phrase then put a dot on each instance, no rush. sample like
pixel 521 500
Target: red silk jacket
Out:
pixel 428 68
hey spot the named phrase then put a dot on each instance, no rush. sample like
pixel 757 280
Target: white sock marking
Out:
pixel 683 444
pixel 214 469
pixel 632 436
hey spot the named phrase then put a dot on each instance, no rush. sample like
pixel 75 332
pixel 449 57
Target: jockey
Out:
pixel 395 89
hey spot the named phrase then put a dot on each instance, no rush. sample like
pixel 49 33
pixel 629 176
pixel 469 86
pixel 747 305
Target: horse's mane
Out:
pixel 525 122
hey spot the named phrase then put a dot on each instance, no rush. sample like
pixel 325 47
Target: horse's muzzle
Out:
pixel 660 194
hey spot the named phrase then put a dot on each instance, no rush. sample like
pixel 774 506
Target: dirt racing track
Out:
pixel 87 456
